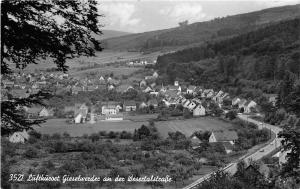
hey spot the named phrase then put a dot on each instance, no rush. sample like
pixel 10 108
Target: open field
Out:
pixel 117 71
pixel 102 57
pixel 75 130
pixel 189 126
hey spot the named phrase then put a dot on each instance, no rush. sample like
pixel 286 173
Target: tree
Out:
pixel 32 30
pixel 291 143
pixel 220 180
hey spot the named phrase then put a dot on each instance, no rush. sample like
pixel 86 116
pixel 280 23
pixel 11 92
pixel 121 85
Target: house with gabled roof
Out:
pixel 129 106
pixel 111 87
pixel 147 89
pixel 249 106
pixel 241 104
pixel 199 111
pixel 217 97
pixel 110 107
pixel 19 137
pixel 235 101
pixel 223 136
pixel 143 83
pixel 80 113
pixel 142 105
pixel 192 105
pixel 124 88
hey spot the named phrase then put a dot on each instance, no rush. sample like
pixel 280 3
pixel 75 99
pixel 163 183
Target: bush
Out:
pixel 187 114
pixel 231 115
pixel 31 153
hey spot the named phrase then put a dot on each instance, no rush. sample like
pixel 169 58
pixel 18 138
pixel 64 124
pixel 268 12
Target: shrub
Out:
pixel 31 152
pixel 231 115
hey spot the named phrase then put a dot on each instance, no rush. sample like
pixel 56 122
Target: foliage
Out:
pixel 38 29
pixel 291 144
pixel 245 61
pixel 231 114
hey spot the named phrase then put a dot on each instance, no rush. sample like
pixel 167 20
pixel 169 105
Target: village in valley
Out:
pixel 185 101
pixel 172 109
pixel 207 101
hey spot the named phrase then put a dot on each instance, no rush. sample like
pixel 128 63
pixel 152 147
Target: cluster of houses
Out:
pixel 200 99
pixel 22 85
pixel 141 63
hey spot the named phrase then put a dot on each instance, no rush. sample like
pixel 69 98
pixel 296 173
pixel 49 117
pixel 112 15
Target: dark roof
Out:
pixel 130 103
pixel 225 135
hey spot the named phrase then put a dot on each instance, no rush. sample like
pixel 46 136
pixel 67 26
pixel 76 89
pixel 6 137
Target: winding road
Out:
pixel 260 153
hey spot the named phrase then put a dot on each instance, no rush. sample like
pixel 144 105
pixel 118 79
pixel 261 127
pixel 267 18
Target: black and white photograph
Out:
pixel 150 94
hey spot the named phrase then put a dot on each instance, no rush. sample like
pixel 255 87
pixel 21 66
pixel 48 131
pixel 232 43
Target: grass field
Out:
pixel 189 126
pixel 60 126
pixel 103 57
pixel 117 71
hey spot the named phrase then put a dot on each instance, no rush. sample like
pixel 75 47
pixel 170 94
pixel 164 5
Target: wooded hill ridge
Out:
pixel 255 61
pixel 197 33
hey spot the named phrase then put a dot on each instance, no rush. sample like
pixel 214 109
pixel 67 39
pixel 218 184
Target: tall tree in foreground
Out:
pixel 32 30
pixel 291 144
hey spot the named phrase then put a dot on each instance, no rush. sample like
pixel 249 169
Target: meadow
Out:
pixel 187 127
pixel 76 130
pixel 101 57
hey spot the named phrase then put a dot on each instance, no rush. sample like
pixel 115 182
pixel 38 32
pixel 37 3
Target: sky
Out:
pixel 147 15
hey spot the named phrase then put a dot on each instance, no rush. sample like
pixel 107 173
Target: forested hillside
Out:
pixel 254 62
pixel 199 32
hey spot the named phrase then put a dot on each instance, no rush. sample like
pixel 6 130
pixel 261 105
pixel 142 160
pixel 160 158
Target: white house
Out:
pixel 19 137
pixel 155 75
pixel 217 97
pixel 147 90
pixel 80 113
pixel 199 111
pixel 101 78
pixel 210 94
pixel 235 101
pixel 154 93
pixel 142 105
pixel 249 106
pixel 110 109
pixel 78 118
pixel 45 112
pixel 143 83
pixel 192 105
pixel 223 136
pixel 129 106
pixel 111 87
pixel 242 103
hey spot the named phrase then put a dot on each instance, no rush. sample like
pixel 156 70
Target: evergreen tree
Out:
pixel 32 30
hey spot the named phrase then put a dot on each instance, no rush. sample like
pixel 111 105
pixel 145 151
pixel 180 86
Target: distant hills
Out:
pixel 110 34
pixel 197 33
pixel 249 64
